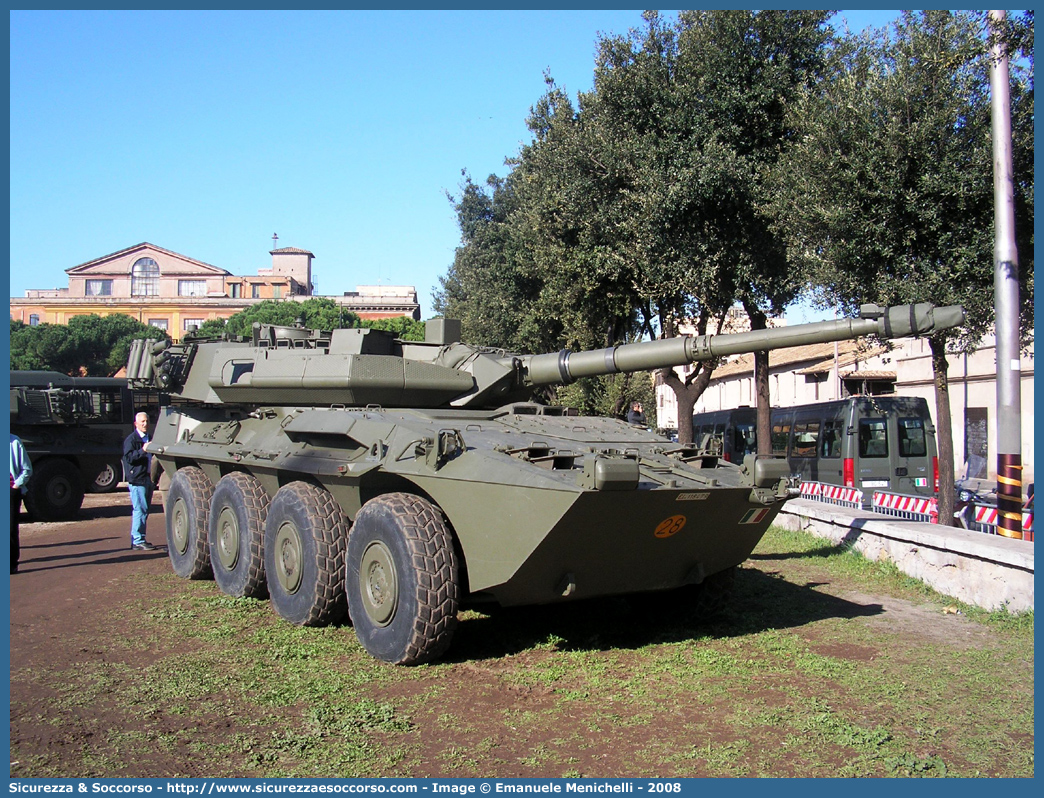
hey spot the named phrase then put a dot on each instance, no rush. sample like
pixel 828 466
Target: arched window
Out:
pixel 145 277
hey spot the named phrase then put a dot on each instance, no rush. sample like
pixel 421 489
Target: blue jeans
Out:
pixel 141 496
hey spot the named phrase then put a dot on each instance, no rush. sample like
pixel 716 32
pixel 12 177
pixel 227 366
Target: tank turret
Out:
pixel 360 367
pixel 350 472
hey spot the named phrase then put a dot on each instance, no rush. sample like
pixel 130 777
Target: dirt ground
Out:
pixel 73 575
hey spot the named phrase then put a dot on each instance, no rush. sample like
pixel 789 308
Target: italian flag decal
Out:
pixel 754 516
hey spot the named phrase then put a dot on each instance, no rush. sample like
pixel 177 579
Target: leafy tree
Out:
pixel 89 345
pixel 403 327
pixel 491 286
pixel 640 206
pixel 318 313
pixel 887 196
pixel 212 328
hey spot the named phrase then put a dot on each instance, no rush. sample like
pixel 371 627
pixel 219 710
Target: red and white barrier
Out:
pixel 986 520
pixel 911 508
pixel 832 494
pixel 986 516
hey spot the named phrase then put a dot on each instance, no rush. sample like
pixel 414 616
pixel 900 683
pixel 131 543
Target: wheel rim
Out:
pixel 179 526
pixel 289 557
pixel 106 478
pixel 59 491
pixel 380 583
pixel 228 538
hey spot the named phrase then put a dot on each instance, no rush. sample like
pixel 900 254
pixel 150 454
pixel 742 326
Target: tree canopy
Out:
pixel 89 345
pixel 319 313
pixel 641 204
pixel 886 196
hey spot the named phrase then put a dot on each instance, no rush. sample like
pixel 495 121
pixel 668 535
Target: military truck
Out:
pixel 73 430
pixel 348 472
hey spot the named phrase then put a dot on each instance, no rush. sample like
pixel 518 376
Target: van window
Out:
pixel 830 444
pixel 806 436
pixel 912 442
pixel 780 435
pixel 744 439
pixel 873 437
pixel 718 438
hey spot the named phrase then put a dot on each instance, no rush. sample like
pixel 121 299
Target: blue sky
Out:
pixel 207 132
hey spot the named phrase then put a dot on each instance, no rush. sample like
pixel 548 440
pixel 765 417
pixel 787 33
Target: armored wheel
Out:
pixel 691 603
pixel 402 579
pixel 55 491
pixel 236 536
pixel 108 478
pixel 187 513
pixel 305 536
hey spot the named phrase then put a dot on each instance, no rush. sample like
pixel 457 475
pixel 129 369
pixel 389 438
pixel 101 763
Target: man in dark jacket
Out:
pixel 137 465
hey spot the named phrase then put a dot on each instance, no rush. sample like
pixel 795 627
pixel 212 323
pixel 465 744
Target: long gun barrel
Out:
pixel 895 322
pixel 356 368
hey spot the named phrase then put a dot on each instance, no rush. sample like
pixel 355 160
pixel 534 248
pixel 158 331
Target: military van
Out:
pixel 871 443
pixel 731 433
pixel 73 430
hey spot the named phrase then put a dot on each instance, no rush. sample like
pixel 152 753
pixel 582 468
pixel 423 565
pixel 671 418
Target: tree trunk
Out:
pixel 758 321
pixel 764 402
pixel 943 429
pixel 687 393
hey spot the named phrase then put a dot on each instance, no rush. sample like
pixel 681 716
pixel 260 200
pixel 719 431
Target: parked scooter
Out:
pixel 970 495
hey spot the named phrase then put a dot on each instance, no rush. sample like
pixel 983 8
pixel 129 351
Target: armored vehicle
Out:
pixel 350 472
pixel 73 430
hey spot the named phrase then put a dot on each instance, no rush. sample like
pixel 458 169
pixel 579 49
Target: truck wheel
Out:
pixel 187 512
pixel 236 536
pixel 402 580
pixel 304 546
pixel 108 478
pixel 690 603
pixel 55 491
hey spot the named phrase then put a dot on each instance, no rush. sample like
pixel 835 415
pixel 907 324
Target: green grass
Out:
pixel 795 679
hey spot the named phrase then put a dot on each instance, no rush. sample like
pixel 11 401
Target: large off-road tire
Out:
pixel 187 514
pixel 236 536
pixel 402 579
pixel 108 478
pixel 305 539
pixel 55 491
pixel 692 604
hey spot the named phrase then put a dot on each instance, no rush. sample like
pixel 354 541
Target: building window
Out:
pixel 192 287
pixel 235 290
pixel 255 290
pixel 98 288
pixel 277 291
pixel 34 319
pixel 188 324
pixel 159 324
pixel 145 277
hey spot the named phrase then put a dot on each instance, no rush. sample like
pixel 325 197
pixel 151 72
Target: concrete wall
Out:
pixel 983 570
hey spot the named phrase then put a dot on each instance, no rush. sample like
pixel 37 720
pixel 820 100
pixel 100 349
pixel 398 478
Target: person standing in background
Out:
pixel 137 465
pixel 21 470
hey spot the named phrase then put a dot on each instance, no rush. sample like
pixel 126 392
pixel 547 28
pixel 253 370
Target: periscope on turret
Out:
pixel 351 473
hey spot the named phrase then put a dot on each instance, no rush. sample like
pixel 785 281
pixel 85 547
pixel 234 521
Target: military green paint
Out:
pixel 545 506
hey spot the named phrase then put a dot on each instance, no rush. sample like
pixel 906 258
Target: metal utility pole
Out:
pixel 1006 296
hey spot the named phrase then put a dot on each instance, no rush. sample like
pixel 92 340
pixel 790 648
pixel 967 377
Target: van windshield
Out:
pixel 873 437
pixel 912 442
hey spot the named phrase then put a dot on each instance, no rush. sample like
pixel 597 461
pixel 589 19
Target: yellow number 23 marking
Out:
pixel 670 526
